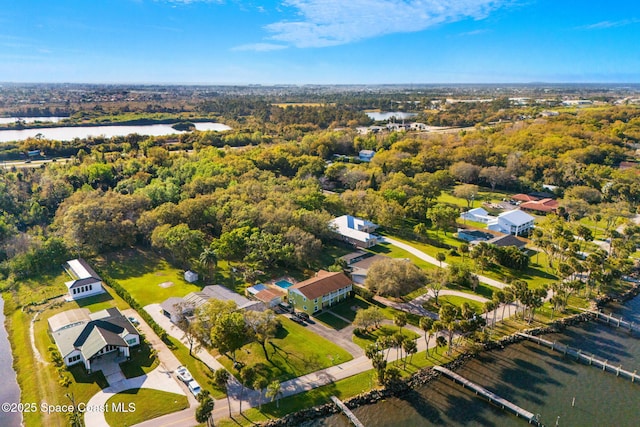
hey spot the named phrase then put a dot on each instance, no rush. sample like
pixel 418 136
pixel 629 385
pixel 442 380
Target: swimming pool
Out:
pixel 284 284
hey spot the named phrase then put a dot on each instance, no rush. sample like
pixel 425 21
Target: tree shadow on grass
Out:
pixel 80 375
pixel 104 297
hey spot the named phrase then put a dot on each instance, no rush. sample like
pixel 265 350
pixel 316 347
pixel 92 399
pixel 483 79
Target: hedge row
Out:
pixel 125 295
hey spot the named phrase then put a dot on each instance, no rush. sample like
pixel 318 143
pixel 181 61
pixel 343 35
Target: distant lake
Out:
pixel 10 120
pixel 72 132
pixel 399 115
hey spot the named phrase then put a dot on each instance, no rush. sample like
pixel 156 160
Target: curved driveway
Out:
pixel 431 260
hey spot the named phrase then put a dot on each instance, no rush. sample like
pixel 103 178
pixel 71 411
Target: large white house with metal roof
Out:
pixel 85 283
pixel 514 222
pixel 354 230
pixel 81 337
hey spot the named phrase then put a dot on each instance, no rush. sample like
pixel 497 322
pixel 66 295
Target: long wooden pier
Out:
pixel 579 355
pixel 493 398
pixel 356 422
pixel 613 321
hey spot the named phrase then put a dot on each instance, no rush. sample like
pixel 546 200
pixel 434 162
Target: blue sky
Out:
pixel 320 41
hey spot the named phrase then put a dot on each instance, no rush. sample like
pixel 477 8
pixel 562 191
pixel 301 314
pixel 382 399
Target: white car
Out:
pixel 194 387
pixel 184 374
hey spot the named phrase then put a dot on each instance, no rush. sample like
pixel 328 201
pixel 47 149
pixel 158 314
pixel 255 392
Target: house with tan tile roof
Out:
pixel 319 292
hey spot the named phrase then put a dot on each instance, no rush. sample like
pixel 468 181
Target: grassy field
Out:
pixel 142 404
pixel 294 351
pixel 484 195
pixel 535 275
pixel 365 339
pixel 453 300
pixel 40 289
pixel 395 252
pixel 146 276
pixel 328 319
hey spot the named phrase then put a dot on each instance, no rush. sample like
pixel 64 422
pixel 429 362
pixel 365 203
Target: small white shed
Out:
pixel 190 276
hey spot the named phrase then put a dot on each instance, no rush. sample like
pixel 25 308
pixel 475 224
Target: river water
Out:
pixel 9 390
pixel 562 391
pixel 399 115
pixel 71 132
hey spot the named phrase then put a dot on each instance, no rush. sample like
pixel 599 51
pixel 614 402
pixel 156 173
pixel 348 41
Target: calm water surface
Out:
pixel 399 115
pixel 9 391
pixel 533 377
pixel 69 133
pixel 9 120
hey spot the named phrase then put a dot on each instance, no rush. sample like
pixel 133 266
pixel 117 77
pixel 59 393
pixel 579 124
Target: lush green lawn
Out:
pixel 331 321
pixel 142 361
pixel 364 339
pixel 142 404
pixel 484 195
pixel 142 273
pixel 295 351
pixel 453 300
pixel 535 275
pixel 395 252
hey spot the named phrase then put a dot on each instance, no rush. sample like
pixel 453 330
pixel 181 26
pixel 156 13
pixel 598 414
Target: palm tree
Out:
pixel 221 379
pixel 400 320
pixel 410 347
pixel 260 383
pixel 274 391
pixel 426 323
pixel 209 260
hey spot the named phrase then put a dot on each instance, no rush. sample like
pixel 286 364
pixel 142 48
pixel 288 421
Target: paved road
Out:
pixel 431 260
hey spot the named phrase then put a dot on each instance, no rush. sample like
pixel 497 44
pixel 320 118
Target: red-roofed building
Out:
pixel 524 198
pixel 540 206
pixel 324 290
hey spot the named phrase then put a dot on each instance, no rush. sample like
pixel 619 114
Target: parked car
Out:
pixel 285 307
pixel 302 315
pixel 134 320
pixel 297 319
pixel 184 374
pixel 194 387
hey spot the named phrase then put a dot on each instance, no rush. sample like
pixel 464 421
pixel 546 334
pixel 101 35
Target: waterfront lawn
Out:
pixel 295 351
pixel 342 389
pixel 454 300
pixel 147 404
pixel 141 272
pixel 364 339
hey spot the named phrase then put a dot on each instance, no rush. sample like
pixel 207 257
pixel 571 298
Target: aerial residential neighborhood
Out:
pixel 314 213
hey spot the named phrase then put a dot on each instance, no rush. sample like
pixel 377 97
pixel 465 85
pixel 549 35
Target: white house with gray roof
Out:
pixel 85 283
pixel 176 308
pixel 82 336
pixel 354 230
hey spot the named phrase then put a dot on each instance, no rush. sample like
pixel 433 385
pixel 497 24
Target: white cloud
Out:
pixel 260 47
pixel 335 22
pixel 609 24
pixel 191 1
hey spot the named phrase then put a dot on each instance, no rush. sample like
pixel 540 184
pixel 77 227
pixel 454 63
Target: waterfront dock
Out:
pixel 613 321
pixel 347 412
pixel 492 397
pixel 579 355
